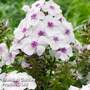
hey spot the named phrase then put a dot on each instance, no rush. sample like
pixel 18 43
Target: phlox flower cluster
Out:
pixel 44 25
pixel 16 81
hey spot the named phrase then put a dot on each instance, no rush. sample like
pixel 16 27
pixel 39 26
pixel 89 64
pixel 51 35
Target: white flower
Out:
pixel 56 40
pixel 78 46
pixel 17 81
pixel 39 30
pixel 86 87
pixel 88 47
pixel 3 54
pixel 73 88
pixel 7 57
pixel 38 4
pixel 32 46
pixel 34 17
pixel 22 30
pixel 51 24
pixel 3 50
pixel 68 31
pixel 64 53
pixel 25 64
pixel 52 8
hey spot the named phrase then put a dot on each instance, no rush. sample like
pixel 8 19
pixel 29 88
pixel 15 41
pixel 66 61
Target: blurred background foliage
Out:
pixel 51 74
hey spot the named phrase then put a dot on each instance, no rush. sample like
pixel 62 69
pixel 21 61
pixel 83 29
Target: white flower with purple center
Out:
pixel 39 31
pixel 22 30
pixel 38 4
pixel 51 24
pixel 32 46
pixel 56 40
pixel 64 53
pixel 34 17
pixel 52 8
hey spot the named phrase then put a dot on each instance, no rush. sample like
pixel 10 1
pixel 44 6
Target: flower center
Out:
pixel 24 30
pixel 55 39
pixel 52 7
pixel 34 44
pixel 41 33
pixel 50 24
pixel 63 50
pixel 33 16
pixel 16 83
pixel 67 32
pixel 37 4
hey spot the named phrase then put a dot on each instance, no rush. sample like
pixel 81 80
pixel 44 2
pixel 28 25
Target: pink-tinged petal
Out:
pixel 28 50
pixel 52 8
pixel 61 56
pixel 26 65
pixel 43 41
pixel 3 49
pixel 40 50
pixel 11 57
pixel 64 53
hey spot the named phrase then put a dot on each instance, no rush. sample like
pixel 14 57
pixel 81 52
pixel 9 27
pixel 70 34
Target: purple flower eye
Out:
pixel 63 50
pixel 56 39
pixel 33 16
pixel 52 7
pixel 16 83
pixel 24 30
pixel 67 32
pixel 34 44
pixel 50 24
pixel 41 33
pixel 37 4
